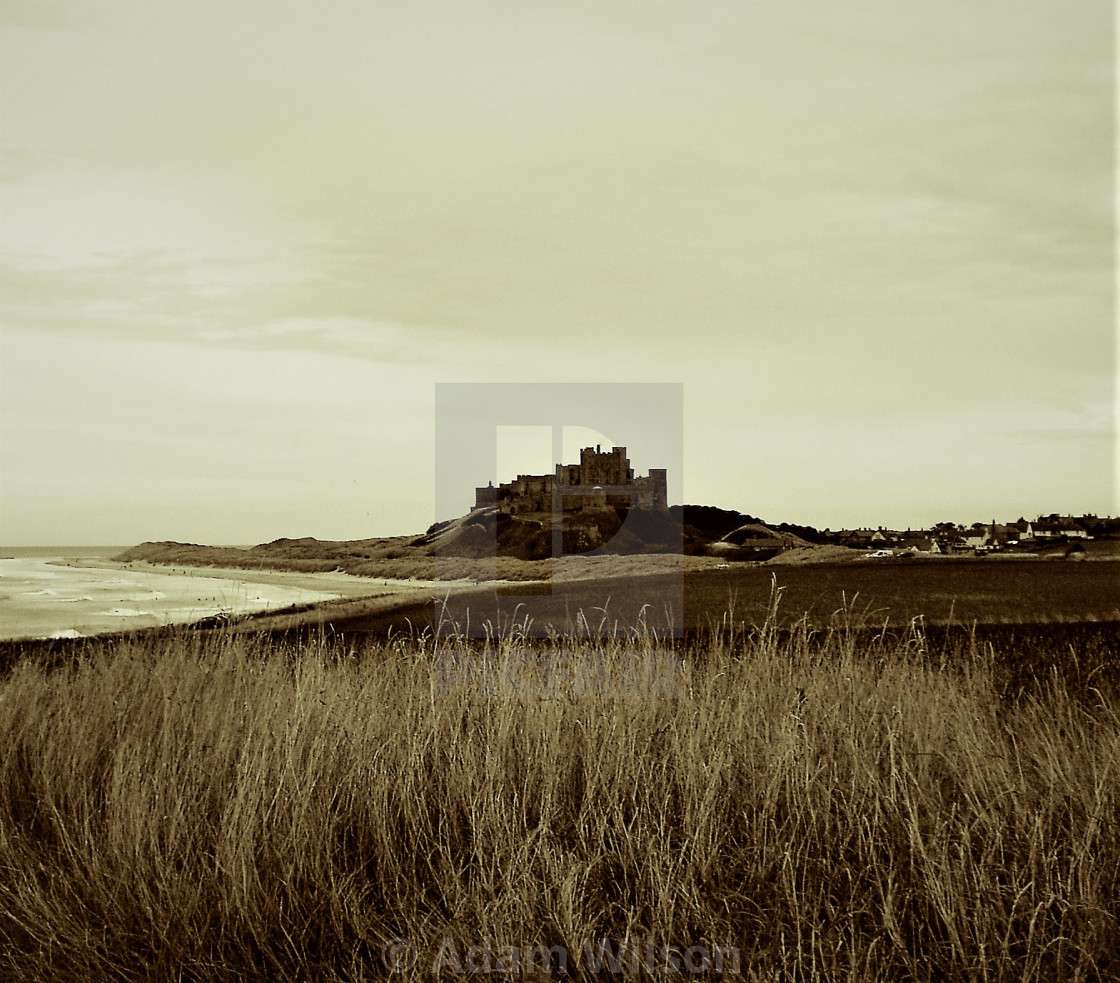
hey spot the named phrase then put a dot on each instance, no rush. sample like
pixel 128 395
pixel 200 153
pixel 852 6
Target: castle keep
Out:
pixel 602 479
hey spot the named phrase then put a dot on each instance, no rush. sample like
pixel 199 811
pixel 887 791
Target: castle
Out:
pixel 602 479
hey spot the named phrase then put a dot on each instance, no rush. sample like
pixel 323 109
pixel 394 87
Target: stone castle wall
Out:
pixel 602 479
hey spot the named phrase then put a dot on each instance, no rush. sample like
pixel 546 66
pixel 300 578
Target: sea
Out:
pixel 54 592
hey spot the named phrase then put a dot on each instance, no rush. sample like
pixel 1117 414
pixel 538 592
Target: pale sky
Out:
pixel 243 241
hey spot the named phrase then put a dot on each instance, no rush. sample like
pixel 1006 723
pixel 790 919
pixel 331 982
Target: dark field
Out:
pixel 1037 619
pixel 873 593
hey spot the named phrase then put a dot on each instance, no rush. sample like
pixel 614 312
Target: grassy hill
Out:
pixel 456 548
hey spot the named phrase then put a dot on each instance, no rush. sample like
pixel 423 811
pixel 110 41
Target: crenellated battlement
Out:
pixel 602 479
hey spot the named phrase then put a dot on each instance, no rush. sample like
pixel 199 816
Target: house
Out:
pixel 861 538
pixel 918 543
pixel 978 535
pixel 1056 526
pixel 993 534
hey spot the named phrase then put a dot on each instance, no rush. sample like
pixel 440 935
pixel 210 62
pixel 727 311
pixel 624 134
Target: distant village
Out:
pixel 1047 533
pixel 739 536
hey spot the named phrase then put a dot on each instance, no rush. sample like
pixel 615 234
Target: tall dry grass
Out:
pixel 216 807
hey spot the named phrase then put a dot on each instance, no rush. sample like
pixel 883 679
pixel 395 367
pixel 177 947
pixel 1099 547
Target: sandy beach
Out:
pixel 343 585
pixel 78 596
pixel 60 597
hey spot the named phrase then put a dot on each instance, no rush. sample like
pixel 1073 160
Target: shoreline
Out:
pixel 346 585
pixel 95 596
